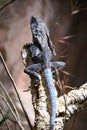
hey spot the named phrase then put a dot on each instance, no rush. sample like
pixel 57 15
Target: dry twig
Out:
pixel 15 88
pixel 5 5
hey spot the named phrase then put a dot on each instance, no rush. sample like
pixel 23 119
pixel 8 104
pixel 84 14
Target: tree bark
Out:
pixel 67 105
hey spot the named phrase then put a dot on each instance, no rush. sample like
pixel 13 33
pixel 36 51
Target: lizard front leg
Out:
pixel 32 71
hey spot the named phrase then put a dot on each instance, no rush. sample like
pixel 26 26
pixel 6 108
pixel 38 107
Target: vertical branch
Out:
pixel 39 101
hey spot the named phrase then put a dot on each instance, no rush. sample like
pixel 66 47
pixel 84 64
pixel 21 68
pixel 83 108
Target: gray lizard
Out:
pixel 41 52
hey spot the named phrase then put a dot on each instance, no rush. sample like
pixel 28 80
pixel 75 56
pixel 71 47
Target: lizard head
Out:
pixel 40 34
pixel 35 22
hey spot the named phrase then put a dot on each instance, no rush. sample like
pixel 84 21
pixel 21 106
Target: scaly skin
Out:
pixel 41 52
pixel 42 41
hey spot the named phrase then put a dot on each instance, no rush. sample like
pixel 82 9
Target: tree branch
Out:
pixel 67 105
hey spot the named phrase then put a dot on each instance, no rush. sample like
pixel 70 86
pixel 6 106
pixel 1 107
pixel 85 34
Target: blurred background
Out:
pixel 67 23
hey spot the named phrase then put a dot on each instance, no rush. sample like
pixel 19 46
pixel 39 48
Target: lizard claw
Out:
pixel 34 84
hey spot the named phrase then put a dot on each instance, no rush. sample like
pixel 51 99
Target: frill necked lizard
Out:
pixel 41 51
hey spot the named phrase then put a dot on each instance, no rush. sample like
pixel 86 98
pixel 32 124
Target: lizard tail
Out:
pixel 50 84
